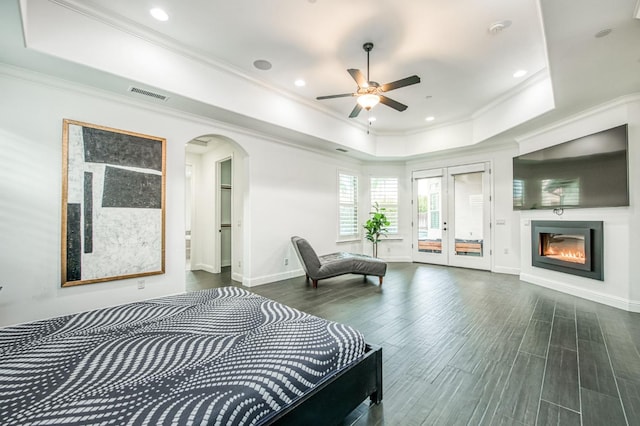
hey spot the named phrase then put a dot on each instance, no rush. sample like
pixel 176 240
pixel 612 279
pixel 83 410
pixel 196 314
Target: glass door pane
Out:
pixel 429 220
pixel 469 214
pixel 470 210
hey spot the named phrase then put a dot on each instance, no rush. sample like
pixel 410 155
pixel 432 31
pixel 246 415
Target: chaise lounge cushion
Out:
pixel 334 264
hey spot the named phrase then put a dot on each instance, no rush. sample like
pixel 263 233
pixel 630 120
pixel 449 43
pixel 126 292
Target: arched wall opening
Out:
pixel 216 188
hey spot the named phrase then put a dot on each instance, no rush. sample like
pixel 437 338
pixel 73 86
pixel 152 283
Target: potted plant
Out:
pixel 376 227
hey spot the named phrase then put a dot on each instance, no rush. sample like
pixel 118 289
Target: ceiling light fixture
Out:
pixel 300 82
pixel 519 73
pixel 372 119
pixel 369 92
pixel 159 14
pixel 368 101
pixel 430 118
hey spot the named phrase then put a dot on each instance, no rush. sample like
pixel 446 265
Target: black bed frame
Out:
pixel 339 394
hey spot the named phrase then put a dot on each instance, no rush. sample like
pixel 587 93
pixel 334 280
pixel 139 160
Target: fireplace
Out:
pixel 572 247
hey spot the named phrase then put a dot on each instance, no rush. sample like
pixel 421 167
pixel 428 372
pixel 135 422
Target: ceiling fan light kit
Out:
pixel 370 93
pixel 368 101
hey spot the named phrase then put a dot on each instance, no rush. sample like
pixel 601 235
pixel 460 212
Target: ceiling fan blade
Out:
pixel 356 111
pixel 400 83
pixel 358 77
pixel 342 95
pixel 393 104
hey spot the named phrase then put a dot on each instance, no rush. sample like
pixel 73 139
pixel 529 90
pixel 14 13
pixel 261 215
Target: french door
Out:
pixel 451 216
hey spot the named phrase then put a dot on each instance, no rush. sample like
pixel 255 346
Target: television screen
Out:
pixel 590 171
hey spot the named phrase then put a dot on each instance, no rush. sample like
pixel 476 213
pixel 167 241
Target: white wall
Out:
pixel 621 287
pixel 292 192
pixel 31 114
pixel 633 118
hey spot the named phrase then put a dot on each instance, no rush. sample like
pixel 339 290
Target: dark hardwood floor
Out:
pixel 465 347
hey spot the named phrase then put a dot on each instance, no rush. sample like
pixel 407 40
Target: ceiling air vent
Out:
pixel 144 92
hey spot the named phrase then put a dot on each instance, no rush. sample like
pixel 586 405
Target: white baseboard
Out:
pixel 394 259
pixel 605 299
pixel 506 270
pixel 634 306
pixel 266 279
pixel 205 267
pixel 236 276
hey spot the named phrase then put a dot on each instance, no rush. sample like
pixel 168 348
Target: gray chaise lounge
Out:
pixel 334 264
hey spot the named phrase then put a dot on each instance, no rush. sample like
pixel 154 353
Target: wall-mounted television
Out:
pixel 591 171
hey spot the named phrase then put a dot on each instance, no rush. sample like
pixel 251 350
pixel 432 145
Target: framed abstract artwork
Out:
pixel 113 204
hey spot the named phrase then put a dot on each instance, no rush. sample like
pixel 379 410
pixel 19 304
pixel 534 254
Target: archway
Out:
pixel 214 205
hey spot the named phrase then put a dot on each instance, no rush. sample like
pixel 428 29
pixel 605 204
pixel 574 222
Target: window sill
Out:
pixel 348 240
pixel 359 240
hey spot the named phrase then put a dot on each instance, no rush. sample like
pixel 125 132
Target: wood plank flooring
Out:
pixel 465 347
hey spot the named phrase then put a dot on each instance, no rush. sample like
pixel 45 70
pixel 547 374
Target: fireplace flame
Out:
pixel 573 256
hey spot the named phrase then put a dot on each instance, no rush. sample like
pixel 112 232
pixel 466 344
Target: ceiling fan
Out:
pixel 369 92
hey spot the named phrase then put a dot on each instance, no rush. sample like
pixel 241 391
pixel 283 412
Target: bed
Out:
pixel 221 357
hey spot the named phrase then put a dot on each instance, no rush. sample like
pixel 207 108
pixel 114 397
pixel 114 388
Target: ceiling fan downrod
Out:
pixel 367 48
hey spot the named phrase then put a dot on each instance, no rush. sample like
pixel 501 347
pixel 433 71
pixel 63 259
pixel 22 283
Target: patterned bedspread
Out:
pixel 221 357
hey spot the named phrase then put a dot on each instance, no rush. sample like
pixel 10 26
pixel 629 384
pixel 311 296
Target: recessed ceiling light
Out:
pixel 300 82
pixel 430 118
pixel 372 119
pixel 262 64
pixel 159 14
pixel 519 73
pixel 603 33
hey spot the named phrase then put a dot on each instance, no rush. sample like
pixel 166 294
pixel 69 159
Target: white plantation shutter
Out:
pixel 348 205
pixel 384 191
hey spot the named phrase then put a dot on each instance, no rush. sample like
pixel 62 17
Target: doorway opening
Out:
pixel 188 205
pixel 225 211
pixel 451 216
pixel 215 199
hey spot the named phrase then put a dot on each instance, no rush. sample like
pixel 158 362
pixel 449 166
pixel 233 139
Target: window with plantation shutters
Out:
pixel 348 205
pixel 384 191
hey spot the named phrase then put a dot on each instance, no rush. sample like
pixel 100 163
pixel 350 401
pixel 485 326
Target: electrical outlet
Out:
pixel 388 249
pixel 286 261
pixel 141 284
pixel 239 263
pixel 506 251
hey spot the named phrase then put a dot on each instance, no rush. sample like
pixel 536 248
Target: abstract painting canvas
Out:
pixel 113 204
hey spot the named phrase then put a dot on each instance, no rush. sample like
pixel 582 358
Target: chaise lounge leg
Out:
pixel 307 277
pixel 315 283
pixel 380 281
pixel 365 279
